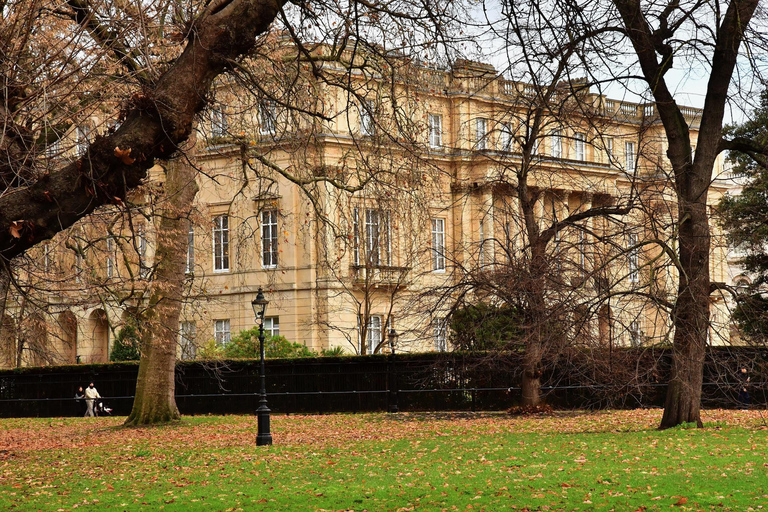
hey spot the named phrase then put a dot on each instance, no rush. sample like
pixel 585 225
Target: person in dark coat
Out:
pixel 80 400
pixel 744 398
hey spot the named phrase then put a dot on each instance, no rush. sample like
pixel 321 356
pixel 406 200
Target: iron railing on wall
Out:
pixel 435 382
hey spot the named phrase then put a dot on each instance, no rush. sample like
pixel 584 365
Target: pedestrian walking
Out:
pixel 90 400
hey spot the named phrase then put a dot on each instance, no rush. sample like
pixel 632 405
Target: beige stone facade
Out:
pixel 367 218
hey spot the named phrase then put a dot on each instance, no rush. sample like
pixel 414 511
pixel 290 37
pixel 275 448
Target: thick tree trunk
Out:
pixel 531 380
pixel 536 331
pixel 155 400
pixel 691 318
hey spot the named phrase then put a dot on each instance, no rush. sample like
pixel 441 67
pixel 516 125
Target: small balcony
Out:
pixel 379 276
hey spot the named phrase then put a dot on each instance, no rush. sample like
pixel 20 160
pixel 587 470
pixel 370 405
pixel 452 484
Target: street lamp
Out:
pixel 264 437
pixel 392 336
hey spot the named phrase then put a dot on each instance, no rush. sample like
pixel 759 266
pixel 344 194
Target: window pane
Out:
pixel 221 243
pixel 267 117
pixel 190 249
pixel 438 244
pixel 269 252
pixel 221 331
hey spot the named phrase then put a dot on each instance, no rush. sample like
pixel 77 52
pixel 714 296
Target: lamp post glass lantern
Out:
pixel 264 436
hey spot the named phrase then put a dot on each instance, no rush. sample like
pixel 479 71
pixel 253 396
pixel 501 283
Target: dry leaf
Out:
pixel 681 501
pixel 16 227
pixel 124 155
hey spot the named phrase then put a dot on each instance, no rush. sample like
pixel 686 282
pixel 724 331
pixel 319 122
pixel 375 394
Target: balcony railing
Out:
pixel 380 275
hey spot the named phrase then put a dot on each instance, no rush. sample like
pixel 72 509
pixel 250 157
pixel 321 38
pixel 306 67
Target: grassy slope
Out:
pixel 601 461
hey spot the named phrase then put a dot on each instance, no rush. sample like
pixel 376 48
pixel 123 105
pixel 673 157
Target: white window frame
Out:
pixel 53 149
pixel 481 133
pixel 110 257
pixel 269 239
pixel 272 325
pixel 219 124
pixel 481 251
pixel 377 238
pixel 83 134
pixel 506 139
pixel 633 258
pixel 579 146
pixel 373 333
pixel 267 117
pixel 440 333
pixel 46 257
pixel 609 149
pixel 142 235
pixel 356 236
pixel 438 245
pixel 221 243
pixel 373 227
pixel 557 144
pixel 630 157
pixel 222 331
pixel 190 267
pixel 435 131
pixel 536 147
pixel 365 118
pixel 634 333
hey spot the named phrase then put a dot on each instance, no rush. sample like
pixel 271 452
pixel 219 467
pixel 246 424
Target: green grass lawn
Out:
pixel 570 461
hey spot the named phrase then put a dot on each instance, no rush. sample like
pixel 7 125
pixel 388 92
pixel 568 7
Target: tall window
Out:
pixel 629 153
pixel 435 130
pixel 582 251
pixel 373 334
pixel 272 325
pixel 579 142
pixel 506 137
pixel 143 267
pixel 557 144
pixel 78 267
pixel 221 243
pixel 536 148
pixel 356 236
pixel 633 258
pixel 187 335
pixel 190 249
pixel 634 333
pixel 481 255
pixel 47 258
pixel 376 237
pixel 269 238
pixel 440 333
pixel 218 123
pixel 438 245
pixel 83 138
pixel 366 118
pixel 221 331
pixel 481 132
pixel 53 149
pixel 110 257
pixel 267 117
pixel 373 239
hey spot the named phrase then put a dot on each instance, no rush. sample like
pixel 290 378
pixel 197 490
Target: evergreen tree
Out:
pixel 745 218
pixel 126 346
pixel 246 345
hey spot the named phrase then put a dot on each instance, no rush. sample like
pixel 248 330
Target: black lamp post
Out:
pixel 392 336
pixel 264 437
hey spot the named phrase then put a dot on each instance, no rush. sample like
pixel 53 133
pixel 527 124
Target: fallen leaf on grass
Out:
pixel 681 501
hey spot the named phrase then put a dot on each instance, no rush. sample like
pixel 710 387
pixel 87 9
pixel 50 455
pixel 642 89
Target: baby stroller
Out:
pixel 102 409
